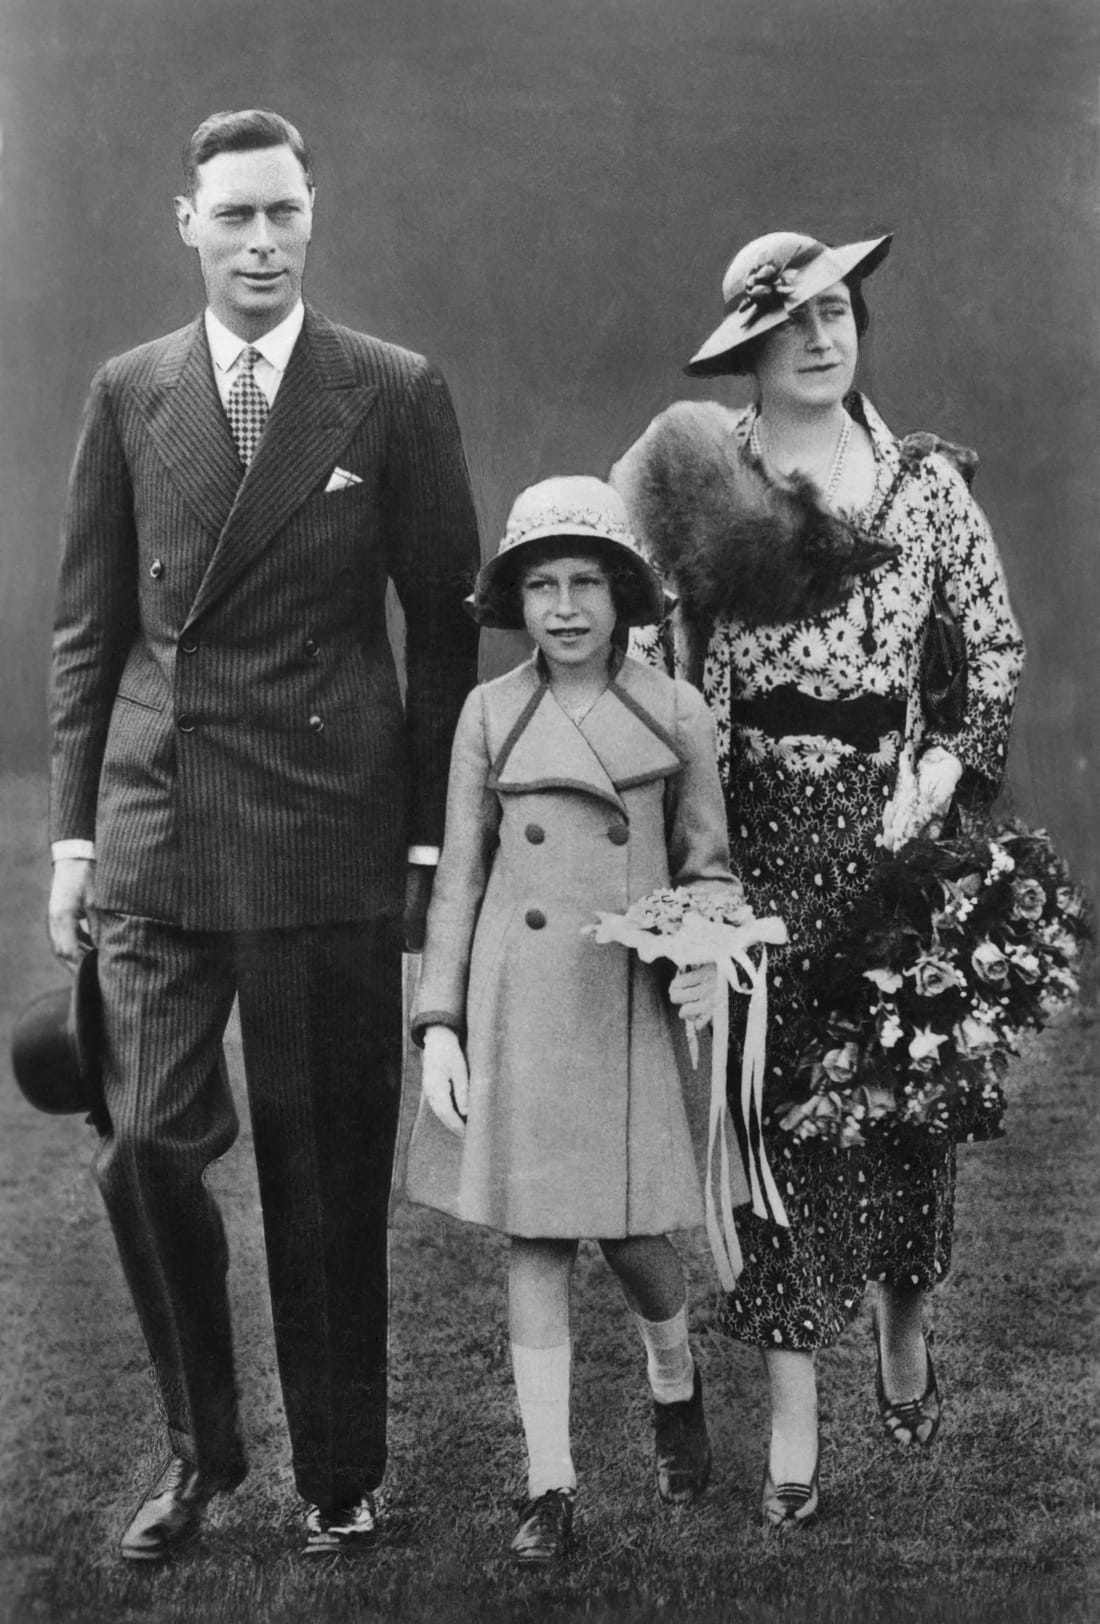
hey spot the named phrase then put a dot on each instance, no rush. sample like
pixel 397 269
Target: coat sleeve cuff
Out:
pixel 434 1017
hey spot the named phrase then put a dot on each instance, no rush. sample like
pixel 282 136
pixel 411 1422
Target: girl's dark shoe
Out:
pixel 912 1420
pixel 789 1505
pixel 545 1530
pixel 683 1455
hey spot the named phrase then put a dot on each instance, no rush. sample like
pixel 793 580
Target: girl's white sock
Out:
pixel 669 1364
pixel 542 1387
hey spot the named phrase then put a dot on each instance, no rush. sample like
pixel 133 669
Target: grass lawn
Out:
pixel 997 1523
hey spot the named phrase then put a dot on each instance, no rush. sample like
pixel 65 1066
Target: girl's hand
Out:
pixel 694 991
pixel 445 1079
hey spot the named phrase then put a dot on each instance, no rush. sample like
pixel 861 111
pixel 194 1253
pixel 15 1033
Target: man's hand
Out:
pixel 445 1079
pixel 419 878
pixel 70 899
pixel 693 990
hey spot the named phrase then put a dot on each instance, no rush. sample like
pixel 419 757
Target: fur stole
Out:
pixel 731 540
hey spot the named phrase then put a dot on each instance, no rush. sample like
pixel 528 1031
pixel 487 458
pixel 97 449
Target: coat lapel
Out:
pixel 320 404
pixel 188 426
pixel 618 745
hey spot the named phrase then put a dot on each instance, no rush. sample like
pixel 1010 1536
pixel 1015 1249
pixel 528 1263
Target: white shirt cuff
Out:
pixel 72 848
pixel 427 856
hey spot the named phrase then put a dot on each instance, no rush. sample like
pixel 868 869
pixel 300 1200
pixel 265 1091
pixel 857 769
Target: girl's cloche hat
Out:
pixel 770 277
pixel 561 509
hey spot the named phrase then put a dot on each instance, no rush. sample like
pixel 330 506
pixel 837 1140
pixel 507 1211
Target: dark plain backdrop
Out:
pixel 542 197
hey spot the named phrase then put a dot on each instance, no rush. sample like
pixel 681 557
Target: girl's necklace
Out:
pixel 577 712
pixel 836 468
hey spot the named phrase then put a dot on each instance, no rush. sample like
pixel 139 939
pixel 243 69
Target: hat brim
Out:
pixel 482 604
pixel 741 327
pixel 57 1048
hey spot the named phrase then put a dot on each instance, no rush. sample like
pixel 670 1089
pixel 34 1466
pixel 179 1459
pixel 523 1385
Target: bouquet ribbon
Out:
pixel 748 1178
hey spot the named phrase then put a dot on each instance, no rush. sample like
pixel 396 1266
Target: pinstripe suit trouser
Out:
pixel 320 1014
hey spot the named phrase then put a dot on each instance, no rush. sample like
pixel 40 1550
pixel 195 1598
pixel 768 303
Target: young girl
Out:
pixel 579 782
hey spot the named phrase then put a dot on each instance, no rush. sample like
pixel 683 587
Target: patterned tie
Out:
pixel 246 407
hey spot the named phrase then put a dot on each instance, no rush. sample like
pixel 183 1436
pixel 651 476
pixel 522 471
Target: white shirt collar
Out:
pixel 275 346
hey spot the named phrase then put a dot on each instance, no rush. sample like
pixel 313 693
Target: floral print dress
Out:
pixel 805 818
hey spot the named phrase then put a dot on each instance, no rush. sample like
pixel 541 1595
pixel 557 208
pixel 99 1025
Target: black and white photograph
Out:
pixel 548 765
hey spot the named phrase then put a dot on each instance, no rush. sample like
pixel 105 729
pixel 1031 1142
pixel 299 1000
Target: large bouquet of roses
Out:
pixel 963 946
pixel 713 924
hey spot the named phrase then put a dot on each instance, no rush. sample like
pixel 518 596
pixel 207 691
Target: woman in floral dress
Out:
pixel 805 542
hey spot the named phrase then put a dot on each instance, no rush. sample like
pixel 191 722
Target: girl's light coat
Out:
pixel 576 1117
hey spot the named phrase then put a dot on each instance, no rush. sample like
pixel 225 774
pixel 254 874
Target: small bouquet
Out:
pixel 713 924
pixel 964 945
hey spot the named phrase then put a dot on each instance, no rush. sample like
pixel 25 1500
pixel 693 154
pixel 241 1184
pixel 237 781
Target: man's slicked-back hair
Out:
pixel 246 131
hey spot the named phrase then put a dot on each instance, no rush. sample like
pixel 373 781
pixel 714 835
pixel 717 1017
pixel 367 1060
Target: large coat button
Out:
pixel 188 645
pixel 186 724
pixel 618 834
pixel 312 648
pixel 535 918
pixel 317 723
pixel 535 833
pixel 156 569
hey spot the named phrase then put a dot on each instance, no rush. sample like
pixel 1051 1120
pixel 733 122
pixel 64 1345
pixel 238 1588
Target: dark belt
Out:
pixel 786 712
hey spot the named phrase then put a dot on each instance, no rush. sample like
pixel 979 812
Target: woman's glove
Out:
pixel 445 1079
pixel 921 799
pixel 693 990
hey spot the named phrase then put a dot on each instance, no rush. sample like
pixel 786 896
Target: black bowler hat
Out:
pixel 57 1045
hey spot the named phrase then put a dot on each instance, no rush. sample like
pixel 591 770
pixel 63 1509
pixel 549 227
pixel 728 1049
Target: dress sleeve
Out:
pixel 976 591
pixel 695 809
pixel 470 839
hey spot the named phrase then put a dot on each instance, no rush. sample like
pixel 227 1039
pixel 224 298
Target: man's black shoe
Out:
pixel 172 1511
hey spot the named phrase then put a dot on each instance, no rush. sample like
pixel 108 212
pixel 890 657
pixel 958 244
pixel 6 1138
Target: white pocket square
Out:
pixel 341 480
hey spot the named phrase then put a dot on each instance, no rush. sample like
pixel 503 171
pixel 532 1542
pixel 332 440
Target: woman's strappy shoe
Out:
pixel 789 1505
pixel 912 1420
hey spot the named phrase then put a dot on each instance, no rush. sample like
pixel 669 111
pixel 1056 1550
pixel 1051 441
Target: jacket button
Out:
pixel 188 645
pixel 618 834
pixel 535 833
pixel 156 569
pixel 186 724
pixel 317 723
pixel 312 648
pixel 535 918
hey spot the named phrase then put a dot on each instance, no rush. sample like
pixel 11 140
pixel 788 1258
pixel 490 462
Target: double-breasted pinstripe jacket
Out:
pixel 227 720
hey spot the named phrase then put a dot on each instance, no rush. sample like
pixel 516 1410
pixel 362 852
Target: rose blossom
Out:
pixel 924 1050
pixel 933 976
pixel 974 1037
pixel 840 1064
pixel 1026 965
pixel 989 962
pixel 1069 902
pixel 1028 899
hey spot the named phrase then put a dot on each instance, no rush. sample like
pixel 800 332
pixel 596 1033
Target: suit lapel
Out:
pixel 319 406
pixel 188 426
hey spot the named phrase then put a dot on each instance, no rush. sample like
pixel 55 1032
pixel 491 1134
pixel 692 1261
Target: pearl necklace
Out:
pixel 836 468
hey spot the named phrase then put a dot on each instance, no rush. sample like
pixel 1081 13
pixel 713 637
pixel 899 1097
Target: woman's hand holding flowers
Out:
pixel 921 799
pixel 445 1078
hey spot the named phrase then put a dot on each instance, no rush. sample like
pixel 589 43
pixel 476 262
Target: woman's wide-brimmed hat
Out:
pixel 770 277
pixel 56 1048
pixel 567 508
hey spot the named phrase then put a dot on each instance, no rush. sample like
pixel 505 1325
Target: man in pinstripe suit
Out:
pixel 240 804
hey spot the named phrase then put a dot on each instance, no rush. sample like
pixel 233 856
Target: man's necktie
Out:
pixel 246 407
